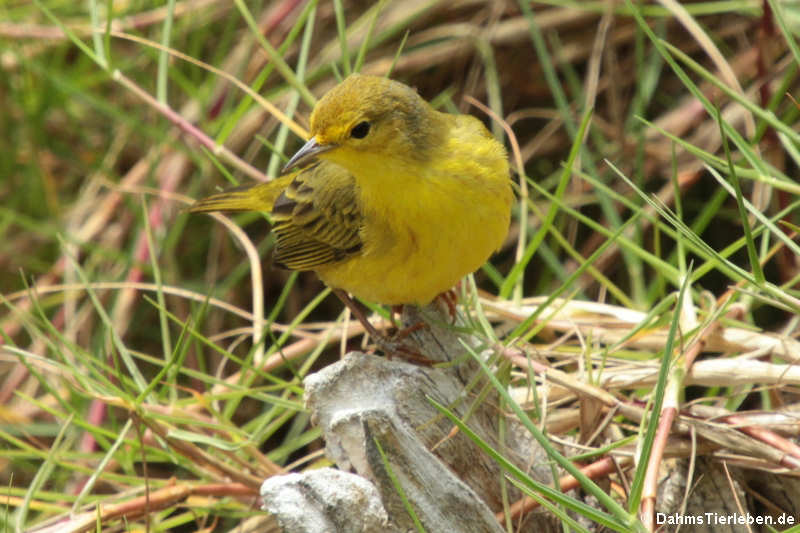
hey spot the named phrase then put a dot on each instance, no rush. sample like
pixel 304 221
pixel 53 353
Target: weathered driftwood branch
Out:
pixel 366 405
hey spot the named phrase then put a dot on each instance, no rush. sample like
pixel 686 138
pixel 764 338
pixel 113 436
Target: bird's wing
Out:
pixel 317 219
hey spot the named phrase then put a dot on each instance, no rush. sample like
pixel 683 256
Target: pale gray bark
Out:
pixel 366 404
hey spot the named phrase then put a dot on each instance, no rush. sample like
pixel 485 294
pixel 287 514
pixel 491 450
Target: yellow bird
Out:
pixel 400 203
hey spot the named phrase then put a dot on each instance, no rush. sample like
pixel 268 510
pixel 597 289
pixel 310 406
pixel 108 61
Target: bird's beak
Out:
pixel 309 151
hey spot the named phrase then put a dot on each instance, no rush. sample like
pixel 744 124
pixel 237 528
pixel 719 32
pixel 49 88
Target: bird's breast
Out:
pixel 421 235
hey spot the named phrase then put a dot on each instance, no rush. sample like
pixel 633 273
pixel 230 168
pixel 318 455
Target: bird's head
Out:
pixel 369 117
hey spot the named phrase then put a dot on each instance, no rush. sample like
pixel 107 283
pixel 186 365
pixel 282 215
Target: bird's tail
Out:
pixel 258 197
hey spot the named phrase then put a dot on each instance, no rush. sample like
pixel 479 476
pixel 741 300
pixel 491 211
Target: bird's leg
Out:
pixel 358 313
pixel 450 298
pixel 390 347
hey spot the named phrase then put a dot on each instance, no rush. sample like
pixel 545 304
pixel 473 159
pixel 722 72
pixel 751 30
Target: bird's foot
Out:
pixel 401 349
pixel 394 346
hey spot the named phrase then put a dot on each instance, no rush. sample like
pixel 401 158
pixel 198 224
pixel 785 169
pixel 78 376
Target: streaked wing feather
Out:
pixel 317 218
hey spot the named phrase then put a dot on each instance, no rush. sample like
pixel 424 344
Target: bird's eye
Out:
pixel 360 130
